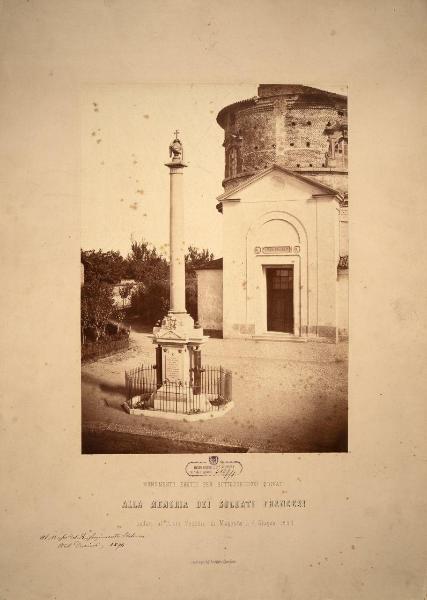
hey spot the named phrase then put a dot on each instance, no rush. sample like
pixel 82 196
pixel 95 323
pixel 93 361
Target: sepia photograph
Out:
pixel 214 268
pixel 199 400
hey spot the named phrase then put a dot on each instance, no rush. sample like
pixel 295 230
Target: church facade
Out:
pixel 284 271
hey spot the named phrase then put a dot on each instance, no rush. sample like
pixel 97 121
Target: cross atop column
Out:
pixel 176 133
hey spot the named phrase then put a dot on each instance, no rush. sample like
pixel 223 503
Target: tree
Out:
pixel 151 301
pixel 195 258
pixel 142 251
pixel 97 307
pixel 124 292
pixel 150 268
pixel 106 267
pixel 144 263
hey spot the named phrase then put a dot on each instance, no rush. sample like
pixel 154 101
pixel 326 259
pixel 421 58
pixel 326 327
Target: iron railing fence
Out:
pixel 207 389
pixel 141 381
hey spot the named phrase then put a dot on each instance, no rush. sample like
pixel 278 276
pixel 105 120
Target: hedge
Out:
pixel 104 347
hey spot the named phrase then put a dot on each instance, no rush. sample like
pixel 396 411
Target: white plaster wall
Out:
pixel 234 270
pixel 209 298
pixel 344 231
pixel 312 221
pixel 342 303
pixel 328 251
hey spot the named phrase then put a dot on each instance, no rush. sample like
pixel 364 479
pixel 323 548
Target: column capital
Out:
pixel 175 166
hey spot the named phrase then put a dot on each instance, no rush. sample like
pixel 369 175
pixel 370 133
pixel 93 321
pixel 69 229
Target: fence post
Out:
pixel 197 370
pixel 221 387
pixel 228 386
pixel 159 368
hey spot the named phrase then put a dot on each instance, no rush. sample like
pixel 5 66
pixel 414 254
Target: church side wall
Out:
pixel 344 231
pixel 234 273
pixel 327 244
pixel 209 299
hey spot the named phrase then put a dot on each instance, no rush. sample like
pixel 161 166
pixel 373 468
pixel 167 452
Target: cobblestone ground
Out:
pixel 289 397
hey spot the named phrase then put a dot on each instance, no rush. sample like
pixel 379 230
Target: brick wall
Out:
pixel 285 125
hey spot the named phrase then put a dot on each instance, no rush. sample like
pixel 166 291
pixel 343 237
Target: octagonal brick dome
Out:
pixel 300 127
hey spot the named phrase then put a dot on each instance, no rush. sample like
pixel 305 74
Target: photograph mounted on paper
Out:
pixel 214 320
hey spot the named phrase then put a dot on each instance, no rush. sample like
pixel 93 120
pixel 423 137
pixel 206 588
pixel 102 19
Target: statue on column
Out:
pixel 176 151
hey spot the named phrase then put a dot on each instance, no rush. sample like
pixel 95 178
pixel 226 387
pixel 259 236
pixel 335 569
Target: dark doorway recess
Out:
pixel 280 299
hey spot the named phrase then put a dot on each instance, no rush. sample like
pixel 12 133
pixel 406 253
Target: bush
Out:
pixel 151 301
pixel 191 294
pixel 116 328
pixel 97 307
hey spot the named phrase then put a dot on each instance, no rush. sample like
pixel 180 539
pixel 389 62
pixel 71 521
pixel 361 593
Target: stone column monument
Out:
pixel 178 340
pixel 176 231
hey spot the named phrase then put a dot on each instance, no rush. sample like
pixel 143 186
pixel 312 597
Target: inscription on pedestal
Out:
pixel 174 365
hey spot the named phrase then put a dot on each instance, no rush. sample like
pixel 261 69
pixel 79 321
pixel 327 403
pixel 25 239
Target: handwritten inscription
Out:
pixel 91 539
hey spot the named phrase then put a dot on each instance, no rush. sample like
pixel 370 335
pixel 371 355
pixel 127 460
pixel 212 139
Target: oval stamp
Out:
pixel 214 467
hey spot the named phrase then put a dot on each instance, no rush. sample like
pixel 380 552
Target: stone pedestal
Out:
pixel 179 341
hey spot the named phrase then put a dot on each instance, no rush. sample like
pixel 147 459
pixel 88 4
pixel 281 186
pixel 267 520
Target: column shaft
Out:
pixel 177 243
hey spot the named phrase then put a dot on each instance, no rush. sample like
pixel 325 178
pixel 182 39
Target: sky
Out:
pixel 125 135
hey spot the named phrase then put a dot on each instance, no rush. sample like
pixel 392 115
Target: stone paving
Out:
pixel 288 397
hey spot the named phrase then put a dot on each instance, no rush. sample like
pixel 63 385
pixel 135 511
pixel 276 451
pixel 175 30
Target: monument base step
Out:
pixel 181 402
pixel 279 337
pixel 174 416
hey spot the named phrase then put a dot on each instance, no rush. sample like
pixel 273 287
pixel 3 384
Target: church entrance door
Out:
pixel 280 299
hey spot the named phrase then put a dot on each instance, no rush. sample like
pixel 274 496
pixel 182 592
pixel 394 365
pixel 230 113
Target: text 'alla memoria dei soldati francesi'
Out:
pixel 284 271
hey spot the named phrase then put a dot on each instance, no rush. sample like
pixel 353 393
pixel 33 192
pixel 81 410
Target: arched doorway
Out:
pixel 277 275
